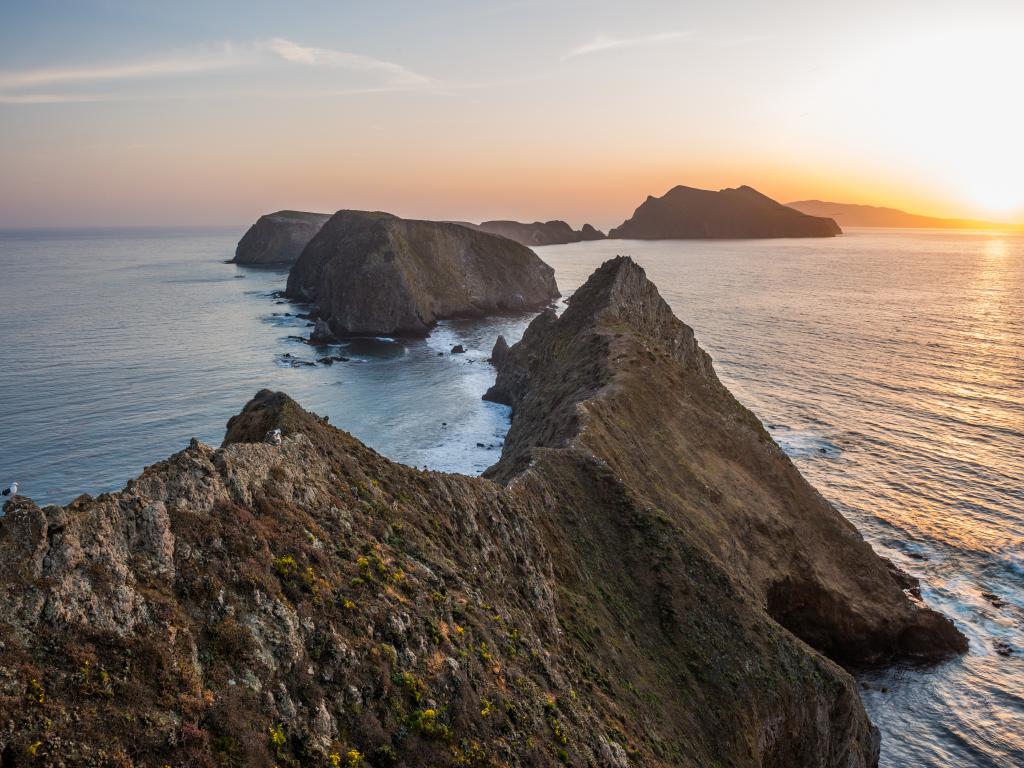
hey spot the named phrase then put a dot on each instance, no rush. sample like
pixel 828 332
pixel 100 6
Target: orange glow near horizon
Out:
pixel 892 108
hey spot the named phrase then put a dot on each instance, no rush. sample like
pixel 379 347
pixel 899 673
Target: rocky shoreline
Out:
pixel 642 579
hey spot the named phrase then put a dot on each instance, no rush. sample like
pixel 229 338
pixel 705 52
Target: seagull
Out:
pixel 12 491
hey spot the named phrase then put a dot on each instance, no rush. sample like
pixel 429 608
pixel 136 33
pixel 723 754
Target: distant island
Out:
pixel 278 238
pixel 375 273
pixel 853 215
pixel 540 232
pixel 685 213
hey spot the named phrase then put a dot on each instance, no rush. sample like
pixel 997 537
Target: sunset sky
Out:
pixel 145 113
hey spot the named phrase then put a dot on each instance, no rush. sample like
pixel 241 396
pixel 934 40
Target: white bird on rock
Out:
pixel 12 491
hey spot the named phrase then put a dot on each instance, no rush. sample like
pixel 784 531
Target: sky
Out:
pixel 205 113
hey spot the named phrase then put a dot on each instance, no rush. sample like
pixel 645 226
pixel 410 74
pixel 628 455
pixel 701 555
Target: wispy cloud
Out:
pixel 325 57
pixel 603 43
pixel 199 62
pixel 26 86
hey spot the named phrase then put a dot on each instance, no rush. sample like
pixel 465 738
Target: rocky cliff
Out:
pixel 374 273
pixel 540 232
pixel 278 238
pixel 638 582
pixel 685 212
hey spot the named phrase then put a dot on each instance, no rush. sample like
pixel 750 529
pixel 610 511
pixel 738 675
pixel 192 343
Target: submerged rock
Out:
pixel 374 273
pixel 685 212
pixel 278 238
pixel 627 586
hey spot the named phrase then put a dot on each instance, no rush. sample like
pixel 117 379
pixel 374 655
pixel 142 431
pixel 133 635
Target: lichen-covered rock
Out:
pixel 278 238
pixel 608 596
pixel 374 273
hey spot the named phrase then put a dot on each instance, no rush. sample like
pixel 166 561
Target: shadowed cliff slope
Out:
pixel 376 273
pixel 610 596
pixel 685 212
pixel 278 238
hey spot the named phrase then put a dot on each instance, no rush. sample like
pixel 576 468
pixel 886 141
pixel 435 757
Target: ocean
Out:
pixel 889 364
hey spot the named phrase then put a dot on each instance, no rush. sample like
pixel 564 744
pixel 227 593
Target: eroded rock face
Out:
pixel 278 238
pixel 619 377
pixel 374 273
pixel 540 232
pixel 685 212
pixel 609 596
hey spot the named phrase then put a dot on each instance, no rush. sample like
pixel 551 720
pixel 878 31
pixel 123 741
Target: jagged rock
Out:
pixel 618 349
pixel 321 332
pixel 278 238
pixel 499 351
pixel 374 273
pixel 458 349
pixel 539 232
pixel 616 591
pixel 685 212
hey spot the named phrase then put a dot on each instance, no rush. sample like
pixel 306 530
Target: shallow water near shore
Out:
pixel 888 364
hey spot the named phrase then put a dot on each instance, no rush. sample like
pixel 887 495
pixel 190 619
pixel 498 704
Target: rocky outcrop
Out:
pixel 620 378
pixel 685 212
pixel 540 232
pixel 278 238
pixel 627 587
pixel 374 273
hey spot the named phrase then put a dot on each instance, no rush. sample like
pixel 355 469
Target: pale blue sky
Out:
pixel 188 112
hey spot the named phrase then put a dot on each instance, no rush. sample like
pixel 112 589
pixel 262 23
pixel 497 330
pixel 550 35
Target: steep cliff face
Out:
pixel 278 238
pixel 600 600
pixel 620 378
pixel 685 212
pixel 540 232
pixel 377 273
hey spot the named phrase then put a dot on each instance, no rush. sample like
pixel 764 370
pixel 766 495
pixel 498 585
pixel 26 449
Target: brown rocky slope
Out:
pixel 317 604
pixel 375 273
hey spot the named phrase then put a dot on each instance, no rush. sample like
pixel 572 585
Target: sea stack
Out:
pixel 375 273
pixel 643 579
pixel 685 212
pixel 278 238
pixel 540 232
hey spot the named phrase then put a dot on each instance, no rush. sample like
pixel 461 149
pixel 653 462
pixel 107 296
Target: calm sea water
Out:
pixel 890 365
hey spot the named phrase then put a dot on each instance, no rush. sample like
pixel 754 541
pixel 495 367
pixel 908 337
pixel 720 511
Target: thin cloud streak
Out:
pixel 325 57
pixel 18 86
pixel 135 70
pixel 603 43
